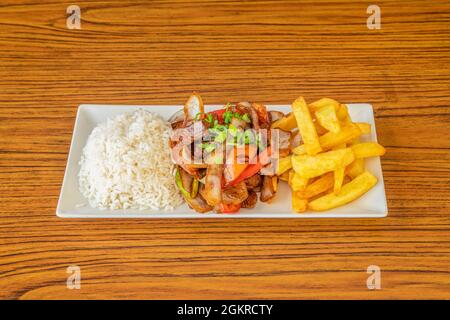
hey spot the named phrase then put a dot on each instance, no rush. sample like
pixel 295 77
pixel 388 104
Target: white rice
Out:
pixel 126 164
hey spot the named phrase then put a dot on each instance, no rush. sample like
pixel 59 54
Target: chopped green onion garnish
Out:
pixel 227 116
pixel 232 130
pixel 198 115
pixel 209 147
pixel 220 128
pixel 246 118
pixel 221 137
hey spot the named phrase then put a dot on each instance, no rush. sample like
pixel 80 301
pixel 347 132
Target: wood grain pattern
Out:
pixel 139 52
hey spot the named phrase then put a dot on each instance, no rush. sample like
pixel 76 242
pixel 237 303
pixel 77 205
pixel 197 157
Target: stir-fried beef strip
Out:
pixel 249 109
pixel 296 139
pixel 238 123
pixel 275 115
pixel 263 116
pixel 213 184
pixel 284 141
pixel 267 190
pixel 235 194
pixel 177 124
pixel 253 183
pixel 251 200
pixel 193 107
pixel 199 204
pixel 193 131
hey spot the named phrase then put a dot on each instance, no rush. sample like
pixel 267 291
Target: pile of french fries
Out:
pixel 327 170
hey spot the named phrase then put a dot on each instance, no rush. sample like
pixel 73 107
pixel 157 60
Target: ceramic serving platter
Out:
pixel 72 204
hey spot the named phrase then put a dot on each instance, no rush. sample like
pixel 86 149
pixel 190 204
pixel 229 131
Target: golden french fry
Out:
pixel 316 105
pixel 298 204
pixel 285 176
pixel 312 166
pixel 327 118
pixel 300 150
pixel 364 127
pixel 339 146
pixel 349 192
pixel 306 126
pixel 319 129
pixel 368 149
pixel 286 123
pixel 355 168
pixel 331 139
pixel 318 186
pixel 298 182
pixel 291 175
pixel 339 175
pixel 342 113
pixel 284 164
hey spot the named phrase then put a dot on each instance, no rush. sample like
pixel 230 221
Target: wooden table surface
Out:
pixel 157 52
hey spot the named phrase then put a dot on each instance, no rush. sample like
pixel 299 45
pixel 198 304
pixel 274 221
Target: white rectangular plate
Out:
pixel 72 204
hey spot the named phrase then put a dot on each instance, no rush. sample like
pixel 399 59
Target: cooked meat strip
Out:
pixel 213 184
pixel 199 204
pixel 177 124
pixel 251 111
pixel 296 139
pixel 253 182
pixel 269 169
pixel 182 159
pixel 235 194
pixel 185 136
pixel 263 116
pixel 192 170
pixel 201 190
pixel 244 104
pixel 267 190
pixel 284 140
pixel 285 143
pixel 275 115
pixel 193 106
pixel 228 173
pixel 238 123
pixel 194 131
pixel 251 200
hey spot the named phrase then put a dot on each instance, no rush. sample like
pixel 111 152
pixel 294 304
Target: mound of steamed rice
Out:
pixel 126 164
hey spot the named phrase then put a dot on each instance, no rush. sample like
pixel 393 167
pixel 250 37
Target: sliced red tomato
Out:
pixel 218 114
pixel 252 169
pixel 232 171
pixel 229 208
pixel 233 168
